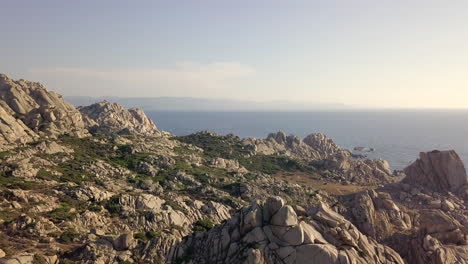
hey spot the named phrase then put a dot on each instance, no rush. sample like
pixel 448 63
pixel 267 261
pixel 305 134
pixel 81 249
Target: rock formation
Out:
pixel 44 112
pixel 110 118
pixel 437 170
pixel 419 217
pixel 272 232
pixel 313 147
pixel 324 154
pixel 13 131
pixel 203 198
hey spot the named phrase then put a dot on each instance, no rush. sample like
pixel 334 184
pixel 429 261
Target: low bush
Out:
pixel 203 225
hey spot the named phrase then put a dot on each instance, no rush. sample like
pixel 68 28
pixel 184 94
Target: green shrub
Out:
pixel 176 206
pixel 214 146
pixel 94 208
pixel 152 234
pixel 203 225
pixel 140 236
pixel 62 213
pixel 12 182
pixel 69 236
pixel 45 175
pixel 145 236
pixel 4 154
pixel 113 205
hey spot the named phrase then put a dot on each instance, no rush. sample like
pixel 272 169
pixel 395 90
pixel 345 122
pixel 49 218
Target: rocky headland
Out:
pixel 102 184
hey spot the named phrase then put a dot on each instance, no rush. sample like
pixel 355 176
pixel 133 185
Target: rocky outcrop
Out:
pixel 420 218
pixel 44 112
pixel 111 118
pixel 313 147
pixel 338 163
pixel 13 131
pixel 323 144
pixel 272 232
pixel 437 170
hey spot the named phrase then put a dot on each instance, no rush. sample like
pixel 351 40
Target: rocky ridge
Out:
pixel 144 196
pixel 110 118
pixel 324 154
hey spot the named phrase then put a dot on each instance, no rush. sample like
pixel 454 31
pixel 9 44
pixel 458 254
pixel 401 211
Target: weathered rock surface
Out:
pixel 271 232
pixel 437 170
pixel 155 198
pixel 13 131
pixel 420 218
pixel 111 118
pixel 43 112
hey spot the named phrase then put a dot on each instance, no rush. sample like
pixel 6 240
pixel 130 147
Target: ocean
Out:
pixel 397 136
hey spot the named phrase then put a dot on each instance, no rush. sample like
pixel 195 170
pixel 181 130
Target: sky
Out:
pixel 362 53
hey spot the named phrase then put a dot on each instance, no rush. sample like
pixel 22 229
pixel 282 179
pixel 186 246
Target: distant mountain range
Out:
pixel 204 104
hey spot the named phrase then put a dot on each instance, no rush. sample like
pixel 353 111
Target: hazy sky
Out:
pixel 387 53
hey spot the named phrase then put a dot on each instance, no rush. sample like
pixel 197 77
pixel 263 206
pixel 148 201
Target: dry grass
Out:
pixel 312 180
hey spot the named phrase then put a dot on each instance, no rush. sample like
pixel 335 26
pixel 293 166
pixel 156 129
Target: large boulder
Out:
pixel 111 118
pixel 437 170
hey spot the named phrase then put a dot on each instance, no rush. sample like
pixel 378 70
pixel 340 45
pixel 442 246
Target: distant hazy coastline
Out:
pixel 205 104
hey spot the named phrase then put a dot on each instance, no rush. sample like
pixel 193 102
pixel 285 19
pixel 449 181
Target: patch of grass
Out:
pixel 140 236
pixel 62 213
pixel 231 147
pixel 4 154
pixel 45 175
pixel 12 182
pixel 214 146
pixel 8 215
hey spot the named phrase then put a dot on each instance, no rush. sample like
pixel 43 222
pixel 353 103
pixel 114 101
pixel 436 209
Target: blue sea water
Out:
pixel 397 136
